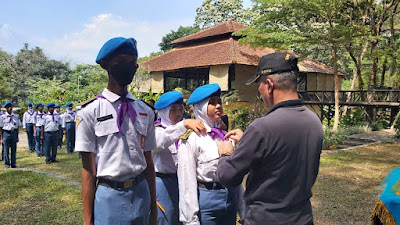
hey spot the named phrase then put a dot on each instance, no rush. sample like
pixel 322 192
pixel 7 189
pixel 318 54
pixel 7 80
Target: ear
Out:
pixel 271 85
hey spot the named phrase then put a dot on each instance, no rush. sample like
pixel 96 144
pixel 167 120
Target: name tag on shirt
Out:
pixel 104 118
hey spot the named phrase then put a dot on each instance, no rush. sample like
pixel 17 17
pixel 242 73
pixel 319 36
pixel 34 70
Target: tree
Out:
pixel 288 23
pixel 213 12
pixel 166 45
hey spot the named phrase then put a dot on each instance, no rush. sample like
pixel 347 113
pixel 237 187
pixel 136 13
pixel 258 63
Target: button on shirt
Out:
pixel 51 122
pixel 9 122
pixel 165 156
pixel 117 157
pixel 39 118
pixel 198 160
pixel 68 117
pixel 29 117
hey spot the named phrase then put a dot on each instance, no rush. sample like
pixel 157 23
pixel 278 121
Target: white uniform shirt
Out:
pixel 117 157
pixel 67 117
pixel 51 122
pixel 8 125
pixel 165 156
pixel 39 118
pixel 29 117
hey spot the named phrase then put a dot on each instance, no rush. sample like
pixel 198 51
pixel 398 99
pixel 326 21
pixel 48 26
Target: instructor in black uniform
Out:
pixel 280 151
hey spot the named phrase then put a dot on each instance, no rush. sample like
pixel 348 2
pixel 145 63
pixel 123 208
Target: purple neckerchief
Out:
pixel 124 109
pixel 216 132
pixel 30 113
pixel 71 113
pixel 52 115
pixel 158 122
pixel 41 114
pixel 11 116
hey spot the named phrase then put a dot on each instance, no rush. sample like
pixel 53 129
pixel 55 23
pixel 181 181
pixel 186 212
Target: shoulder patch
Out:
pixel 84 103
pixel 186 135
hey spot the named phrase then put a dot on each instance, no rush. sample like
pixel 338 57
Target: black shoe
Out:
pixel 7 166
pixel 13 166
pixel 54 161
pixel 48 162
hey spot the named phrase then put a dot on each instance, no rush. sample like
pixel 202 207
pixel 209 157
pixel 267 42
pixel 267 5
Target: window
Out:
pixel 187 78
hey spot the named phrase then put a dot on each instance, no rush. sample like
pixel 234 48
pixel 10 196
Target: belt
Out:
pixel 166 175
pixel 10 131
pixel 210 185
pixel 51 131
pixel 120 184
pixel 70 122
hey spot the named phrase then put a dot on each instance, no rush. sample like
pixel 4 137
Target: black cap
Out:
pixel 273 63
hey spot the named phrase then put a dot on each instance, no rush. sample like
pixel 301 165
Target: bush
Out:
pixel 397 125
pixel 355 116
pixel 332 138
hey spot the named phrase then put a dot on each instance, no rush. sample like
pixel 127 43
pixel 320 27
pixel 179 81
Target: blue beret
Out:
pixel 40 104
pixel 118 46
pixel 203 92
pixel 30 104
pixel 57 106
pixel 6 104
pixel 50 105
pixel 69 104
pixel 168 99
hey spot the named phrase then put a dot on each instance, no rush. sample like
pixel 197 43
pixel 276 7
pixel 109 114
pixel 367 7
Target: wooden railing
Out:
pixel 378 98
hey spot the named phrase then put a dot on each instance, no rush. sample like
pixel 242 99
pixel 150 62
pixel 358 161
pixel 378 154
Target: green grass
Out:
pixel 31 198
pixel 70 165
pixel 346 188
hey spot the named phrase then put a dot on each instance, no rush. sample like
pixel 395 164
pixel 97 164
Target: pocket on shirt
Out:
pixel 208 156
pixel 105 128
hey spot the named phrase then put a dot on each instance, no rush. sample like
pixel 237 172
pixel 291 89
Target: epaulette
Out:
pixel 84 103
pixel 186 135
pixel 152 108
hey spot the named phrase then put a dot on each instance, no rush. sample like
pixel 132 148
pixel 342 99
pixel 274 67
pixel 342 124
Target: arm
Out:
pixel 24 121
pixel 150 176
pixel 88 186
pixel 232 169
pixel 42 133
pixel 187 179
pixel 1 135
pixel 34 129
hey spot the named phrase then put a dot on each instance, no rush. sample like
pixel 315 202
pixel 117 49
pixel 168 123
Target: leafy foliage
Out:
pixel 166 45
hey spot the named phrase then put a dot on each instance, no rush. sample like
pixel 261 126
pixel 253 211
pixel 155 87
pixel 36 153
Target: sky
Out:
pixel 74 30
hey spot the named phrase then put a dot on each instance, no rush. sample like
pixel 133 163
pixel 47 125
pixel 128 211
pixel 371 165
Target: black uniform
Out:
pixel 281 153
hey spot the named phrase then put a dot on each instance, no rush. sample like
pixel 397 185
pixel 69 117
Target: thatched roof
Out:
pixel 216 46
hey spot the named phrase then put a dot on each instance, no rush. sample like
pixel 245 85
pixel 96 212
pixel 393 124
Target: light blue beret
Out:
pixel 6 104
pixel 168 99
pixel 30 104
pixel 69 104
pixel 50 105
pixel 203 92
pixel 39 104
pixel 117 45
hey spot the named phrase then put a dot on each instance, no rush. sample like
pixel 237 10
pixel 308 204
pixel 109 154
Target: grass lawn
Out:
pixel 345 190
pixel 344 193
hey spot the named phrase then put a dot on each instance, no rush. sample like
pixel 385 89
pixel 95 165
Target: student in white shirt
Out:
pixel 9 123
pixel 50 133
pixel 28 122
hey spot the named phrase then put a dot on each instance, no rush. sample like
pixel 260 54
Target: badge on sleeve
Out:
pixel 78 121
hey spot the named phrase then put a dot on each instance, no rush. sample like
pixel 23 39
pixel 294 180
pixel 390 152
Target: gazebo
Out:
pixel 213 55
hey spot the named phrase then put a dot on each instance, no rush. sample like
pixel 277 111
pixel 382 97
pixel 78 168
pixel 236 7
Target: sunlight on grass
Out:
pixel 31 198
pixel 345 190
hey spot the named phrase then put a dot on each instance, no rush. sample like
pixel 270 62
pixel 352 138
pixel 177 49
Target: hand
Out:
pixel 65 131
pixel 2 142
pixel 41 137
pixel 196 125
pixel 24 129
pixel 34 134
pixel 235 135
pixel 225 147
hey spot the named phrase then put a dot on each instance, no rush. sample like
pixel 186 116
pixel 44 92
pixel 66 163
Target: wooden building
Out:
pixel 213 55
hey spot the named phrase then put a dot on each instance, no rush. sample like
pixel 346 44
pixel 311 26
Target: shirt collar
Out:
pixel 288 103
pixel 112 97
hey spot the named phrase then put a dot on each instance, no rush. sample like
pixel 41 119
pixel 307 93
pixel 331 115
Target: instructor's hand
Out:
pixel 235 135
pixel 196 125
pixel 225 148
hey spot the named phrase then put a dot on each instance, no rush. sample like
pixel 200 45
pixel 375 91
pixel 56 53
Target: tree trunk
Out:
pixel 383 73
pixel 335 72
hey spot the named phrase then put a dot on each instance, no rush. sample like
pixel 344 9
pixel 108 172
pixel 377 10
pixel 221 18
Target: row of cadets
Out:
pixel 168 128
pixel 115 136
pixel 60 114
pixel 2 145
pixel 203 200
pixel 68 125
pixel 39 118
pixel 50 133
pixel 9 123
pixel 28 123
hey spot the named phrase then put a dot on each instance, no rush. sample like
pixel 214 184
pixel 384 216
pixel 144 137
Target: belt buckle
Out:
pixel 128 183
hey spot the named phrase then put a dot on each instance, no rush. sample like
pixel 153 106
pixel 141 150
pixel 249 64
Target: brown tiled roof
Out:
pixel 220 29
pixel 222 52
